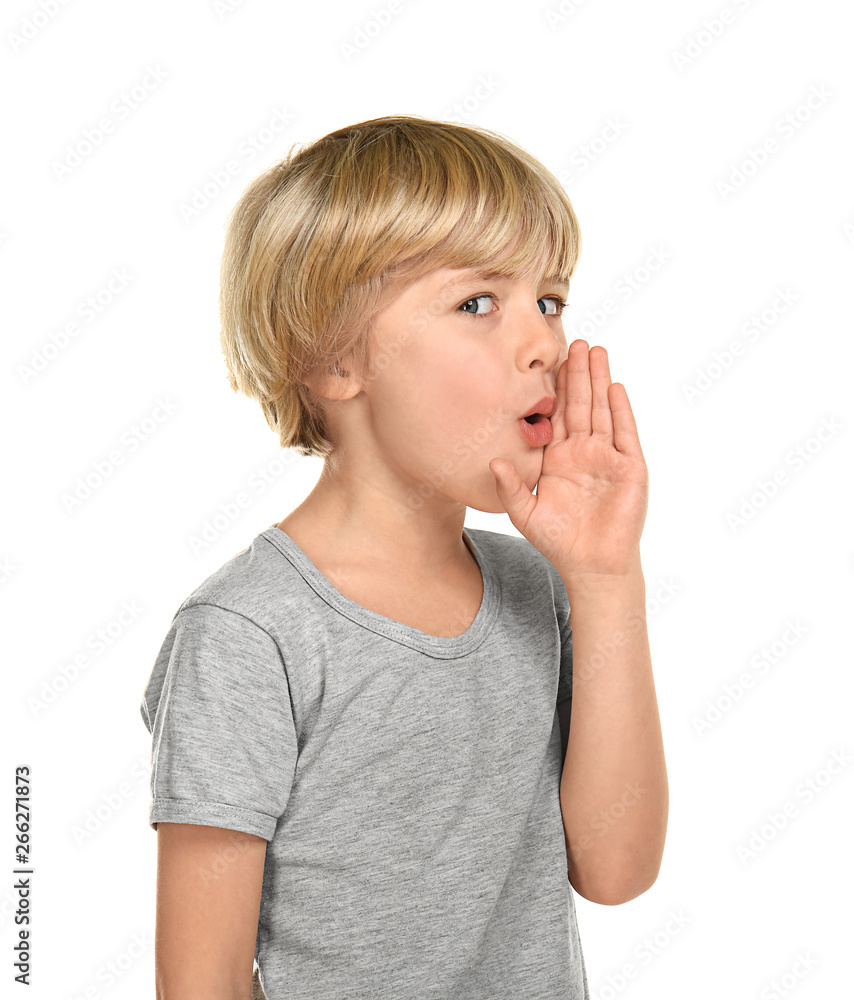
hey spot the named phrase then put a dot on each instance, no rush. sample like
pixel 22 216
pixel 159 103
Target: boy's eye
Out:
pixel 475 300
pixel 558 305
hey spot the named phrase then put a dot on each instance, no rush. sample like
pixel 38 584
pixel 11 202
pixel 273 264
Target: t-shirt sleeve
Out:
pixel 218 708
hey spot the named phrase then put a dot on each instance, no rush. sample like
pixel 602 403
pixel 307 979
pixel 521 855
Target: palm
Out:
pixel 591 501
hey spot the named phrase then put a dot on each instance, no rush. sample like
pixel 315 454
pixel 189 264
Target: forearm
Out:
pixel 613 789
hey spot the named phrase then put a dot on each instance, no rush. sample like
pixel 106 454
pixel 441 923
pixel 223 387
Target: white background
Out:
pixel 690 98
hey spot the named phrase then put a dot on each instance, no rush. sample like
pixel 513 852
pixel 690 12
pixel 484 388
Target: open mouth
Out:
pixel 537 429
pixel 541 410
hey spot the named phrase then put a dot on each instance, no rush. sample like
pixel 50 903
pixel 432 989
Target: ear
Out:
pixel 337 382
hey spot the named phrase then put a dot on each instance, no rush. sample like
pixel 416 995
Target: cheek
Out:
pixel 449 414
pixel 468 422
pixel 419 400
pixel 454 396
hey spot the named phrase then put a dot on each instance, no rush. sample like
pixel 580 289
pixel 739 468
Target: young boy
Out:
pixel 364 775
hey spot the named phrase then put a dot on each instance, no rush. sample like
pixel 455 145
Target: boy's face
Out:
pixel 458 359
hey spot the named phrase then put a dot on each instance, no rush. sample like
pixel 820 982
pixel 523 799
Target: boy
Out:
pixel 363 770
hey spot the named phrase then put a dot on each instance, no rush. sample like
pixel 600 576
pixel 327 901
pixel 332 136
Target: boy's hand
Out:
pixel 591 501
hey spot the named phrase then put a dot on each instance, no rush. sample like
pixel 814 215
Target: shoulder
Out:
pixel 249 585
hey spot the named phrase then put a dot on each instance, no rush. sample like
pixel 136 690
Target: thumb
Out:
pixel 517 499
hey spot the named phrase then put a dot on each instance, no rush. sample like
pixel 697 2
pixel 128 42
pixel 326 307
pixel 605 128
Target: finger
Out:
pixel 600 377
pixel 626 437
pixel 578 391
pixel 558 418
pixel 518 500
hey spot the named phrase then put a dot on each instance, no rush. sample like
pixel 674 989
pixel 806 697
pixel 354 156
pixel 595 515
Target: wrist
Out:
pixel 580 583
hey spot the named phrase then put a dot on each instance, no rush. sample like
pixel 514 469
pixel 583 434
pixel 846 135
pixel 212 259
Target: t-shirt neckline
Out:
pixel 443 647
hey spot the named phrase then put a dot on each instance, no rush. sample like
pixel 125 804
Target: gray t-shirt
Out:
pixel 407 784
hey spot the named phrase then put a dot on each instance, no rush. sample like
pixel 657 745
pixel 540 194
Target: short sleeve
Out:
pixel 218 708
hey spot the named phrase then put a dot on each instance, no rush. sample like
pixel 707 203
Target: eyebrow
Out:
pixel 483 275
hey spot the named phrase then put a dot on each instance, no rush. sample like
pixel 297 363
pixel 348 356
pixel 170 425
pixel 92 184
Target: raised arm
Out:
pixel 208 902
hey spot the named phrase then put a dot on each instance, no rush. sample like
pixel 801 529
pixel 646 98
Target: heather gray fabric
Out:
pixel 407 784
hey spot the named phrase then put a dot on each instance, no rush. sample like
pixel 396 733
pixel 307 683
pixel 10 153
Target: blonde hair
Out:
pixel 316 243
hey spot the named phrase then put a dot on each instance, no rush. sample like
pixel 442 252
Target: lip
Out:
pixel 537 434
pixel 546 406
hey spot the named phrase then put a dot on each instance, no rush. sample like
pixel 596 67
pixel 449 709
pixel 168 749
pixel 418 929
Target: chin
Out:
pixel 487 505
pixel 482 495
